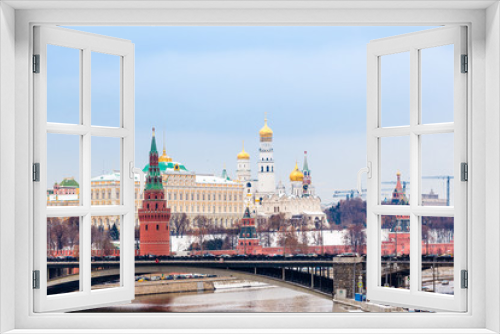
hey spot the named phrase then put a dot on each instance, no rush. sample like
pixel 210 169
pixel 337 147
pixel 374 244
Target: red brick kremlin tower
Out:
pixel 154 215
pixel 248 242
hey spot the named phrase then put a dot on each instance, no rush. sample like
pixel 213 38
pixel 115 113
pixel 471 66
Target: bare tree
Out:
pixel 304 238
pixel 426 236
pixel 232 235
pixel 317 238
pixel 63 232
pixel 288 240
pixel 101 238
pixel 264 232
pixel 201 231
pixel 178 223
pixel 355 237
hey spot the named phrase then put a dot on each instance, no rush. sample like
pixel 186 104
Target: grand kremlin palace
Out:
pixel 215 197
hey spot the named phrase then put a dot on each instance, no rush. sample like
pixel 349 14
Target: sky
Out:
pixel 208 89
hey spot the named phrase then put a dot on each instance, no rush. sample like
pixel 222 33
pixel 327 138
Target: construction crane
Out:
pixel 351 192
pixel 443 177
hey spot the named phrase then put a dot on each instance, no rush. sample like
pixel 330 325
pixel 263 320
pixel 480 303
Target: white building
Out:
pixel 265 198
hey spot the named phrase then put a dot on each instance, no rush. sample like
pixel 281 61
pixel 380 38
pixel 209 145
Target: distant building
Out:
pixel 399 194
pixel 432 199
pixel 65 193
pixel 264 198
pixel 248 241
pixel 154 216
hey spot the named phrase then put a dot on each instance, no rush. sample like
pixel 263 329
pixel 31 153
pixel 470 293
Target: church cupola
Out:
pixel 296 175
pixel 266 131
pixel 243 155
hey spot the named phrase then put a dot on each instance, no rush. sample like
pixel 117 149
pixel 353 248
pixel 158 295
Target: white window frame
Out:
pixel 483 20
pixel 413 43
pixel 86 43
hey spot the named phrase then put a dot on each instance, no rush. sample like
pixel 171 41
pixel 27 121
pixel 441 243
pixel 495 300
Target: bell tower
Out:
pixel 266 161
pixel 243 172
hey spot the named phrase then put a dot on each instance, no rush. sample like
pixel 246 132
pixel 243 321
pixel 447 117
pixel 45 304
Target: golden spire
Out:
pixel 164 157
pixel 243 155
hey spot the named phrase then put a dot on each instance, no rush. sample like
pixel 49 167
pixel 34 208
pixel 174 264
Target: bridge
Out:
pixel 321 277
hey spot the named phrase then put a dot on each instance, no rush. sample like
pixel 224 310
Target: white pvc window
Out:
pixel 69 127
pixel 413 138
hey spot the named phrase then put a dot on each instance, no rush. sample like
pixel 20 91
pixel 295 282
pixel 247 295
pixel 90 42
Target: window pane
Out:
pixel 63 255
pixel 437 170
pixel 395 251
pixel 63 84
pixel 105 238
pixel 105 89
pixel 395 171
pixel 105 182
pixel 395 89
pixel 63 170
pixel 437 84
pixel 437 255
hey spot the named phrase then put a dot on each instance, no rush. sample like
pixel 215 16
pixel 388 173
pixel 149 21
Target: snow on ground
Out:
pixel 239 284
pixel 330 238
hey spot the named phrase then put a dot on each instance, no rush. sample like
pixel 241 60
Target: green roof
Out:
pixel 164 166
pixel 69 182
pixel 225 176
pixel 247 213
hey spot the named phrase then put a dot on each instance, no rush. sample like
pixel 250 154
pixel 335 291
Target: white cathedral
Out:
pixel 265 198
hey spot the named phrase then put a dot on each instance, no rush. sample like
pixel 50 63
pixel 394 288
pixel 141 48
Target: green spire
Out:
pixel 224 175
pixel 153 179
pixel 153 143
pixel 306 166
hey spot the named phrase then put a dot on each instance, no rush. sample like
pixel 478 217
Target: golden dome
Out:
pixel 243 155
pixel 296 174
pixel 266 131
pixel 164 157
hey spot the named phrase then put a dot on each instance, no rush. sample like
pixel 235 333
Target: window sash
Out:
pixel 414 298
pixel 86 43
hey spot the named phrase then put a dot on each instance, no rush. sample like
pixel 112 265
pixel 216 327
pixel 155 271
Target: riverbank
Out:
pixel 186 285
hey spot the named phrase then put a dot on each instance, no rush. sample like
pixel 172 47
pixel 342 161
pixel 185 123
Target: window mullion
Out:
pixel 85 236
pixel 414 168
